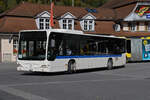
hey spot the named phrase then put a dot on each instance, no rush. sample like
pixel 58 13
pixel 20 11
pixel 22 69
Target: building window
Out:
pixel 64 24
pixel 68 24
pixel 44 23
pixel 133 27
pixel 148 26
pixel 15 47
pixel 85 25
pixel 88 25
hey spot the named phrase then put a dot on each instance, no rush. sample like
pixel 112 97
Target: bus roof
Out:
pixel 74 32
pixel 57 30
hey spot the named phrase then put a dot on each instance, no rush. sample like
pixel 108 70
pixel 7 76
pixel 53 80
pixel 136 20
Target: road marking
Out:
pixel 22 94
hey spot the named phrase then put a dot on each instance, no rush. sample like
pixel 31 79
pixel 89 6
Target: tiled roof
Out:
pixel 124 11
pixel 105 14
pixel 13 24
pixel 104 27
pixel 122 8
pixel 31 10
pixel 22 16
pixel 132 34
pixel 119 3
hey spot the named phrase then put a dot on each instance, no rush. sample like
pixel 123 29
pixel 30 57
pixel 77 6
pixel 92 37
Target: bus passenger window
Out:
pixel 85 50
pixel 52 43
pixel 40 51
pixel 60 51
pixel 69 52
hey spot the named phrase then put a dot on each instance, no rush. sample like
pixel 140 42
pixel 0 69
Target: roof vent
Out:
pixel 91 10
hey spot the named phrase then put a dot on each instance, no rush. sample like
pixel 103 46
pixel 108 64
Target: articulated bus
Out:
pixel 58 50
pixel 138 49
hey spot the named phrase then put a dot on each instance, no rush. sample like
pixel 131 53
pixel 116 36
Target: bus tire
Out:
pixel 71 66
pixel 110 64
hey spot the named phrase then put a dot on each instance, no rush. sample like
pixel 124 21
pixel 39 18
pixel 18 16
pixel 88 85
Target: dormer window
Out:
pixel 47 22
pixel 67 21
pixel 88 23
pixel 44 23
pixel 68 24
pixel 64 24
pixel 85 25
pixel 43 20
pixel 41 23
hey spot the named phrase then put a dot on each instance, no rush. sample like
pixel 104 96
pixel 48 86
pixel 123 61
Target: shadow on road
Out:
pixel 66 73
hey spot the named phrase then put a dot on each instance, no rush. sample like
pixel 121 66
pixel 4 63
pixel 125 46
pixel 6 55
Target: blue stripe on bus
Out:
pixel 87 56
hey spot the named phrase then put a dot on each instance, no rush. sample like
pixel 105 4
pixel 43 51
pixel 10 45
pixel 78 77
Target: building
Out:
pixel 116 17
pixel 127 17
pixel 133 20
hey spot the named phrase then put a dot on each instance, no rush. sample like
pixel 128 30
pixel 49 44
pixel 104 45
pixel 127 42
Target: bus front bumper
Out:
pixel 42 68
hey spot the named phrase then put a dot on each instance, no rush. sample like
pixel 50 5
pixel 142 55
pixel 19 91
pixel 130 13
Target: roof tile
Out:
pixel 13 24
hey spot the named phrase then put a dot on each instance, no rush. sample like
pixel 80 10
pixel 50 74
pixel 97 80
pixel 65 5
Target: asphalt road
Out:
pixel 129 83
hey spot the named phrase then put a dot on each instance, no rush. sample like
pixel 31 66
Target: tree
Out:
pixel 67 2
pixel 95 3
pixel 2 7
pixel 18 1
pixel 5 3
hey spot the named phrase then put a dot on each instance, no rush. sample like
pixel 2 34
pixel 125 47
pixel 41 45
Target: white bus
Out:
pixel 58 50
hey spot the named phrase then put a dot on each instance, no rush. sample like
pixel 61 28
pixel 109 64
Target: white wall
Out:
pixel 125 27
pixel 7 50
pixel 142 26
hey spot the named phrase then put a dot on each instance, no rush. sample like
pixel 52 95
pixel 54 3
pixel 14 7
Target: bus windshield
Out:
pixel 32 45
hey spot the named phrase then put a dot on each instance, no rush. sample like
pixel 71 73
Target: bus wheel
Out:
pixel 71 66
pixel 109 64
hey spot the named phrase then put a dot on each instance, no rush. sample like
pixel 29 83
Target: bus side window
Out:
pixel 61 48
pixel 84 49
pixel 116 49
pixel 52 43
pixel 68 51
